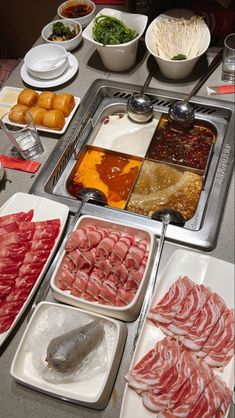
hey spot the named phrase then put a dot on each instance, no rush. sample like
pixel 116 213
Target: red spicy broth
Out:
pixel 76 10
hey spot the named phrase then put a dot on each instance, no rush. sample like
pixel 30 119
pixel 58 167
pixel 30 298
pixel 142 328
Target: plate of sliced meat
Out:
pixel 105 267
pixel 30 229
pixel 183 362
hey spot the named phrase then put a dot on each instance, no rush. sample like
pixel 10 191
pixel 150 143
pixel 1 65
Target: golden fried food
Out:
pixel 64 102
pixel 37 114
pixel 19 107
pixel 28 97
pixel 46 99
pixel 17 115
pixel 54 119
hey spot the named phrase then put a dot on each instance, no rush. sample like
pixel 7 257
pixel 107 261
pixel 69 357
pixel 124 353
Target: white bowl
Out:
pixel 83 20
pixel 123 56
pixel 70 43
pixel 172 69
pixel 45 52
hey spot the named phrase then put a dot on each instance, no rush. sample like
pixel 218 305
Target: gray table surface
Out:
pixel 15 399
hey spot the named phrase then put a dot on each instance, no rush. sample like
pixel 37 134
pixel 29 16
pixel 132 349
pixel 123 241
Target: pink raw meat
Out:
pixel 121 273
pixel 135 255
pixel 12 227
pixel 223 350
pixel 120 249
pixel 43 244
pixel 80 283
pixel 16 217
pixel 137 275
pixel 189 310
pixel 65 279
pixel 126 295
pixel 36 257
pixel 76 237
pixel 107 293
pixel 94 285
pixel 149 372
pixel 103 268
pixel 204 323
pixel 166 309
pixel 83 260
pixel 105 246
pixel 6 322
pixel 93 238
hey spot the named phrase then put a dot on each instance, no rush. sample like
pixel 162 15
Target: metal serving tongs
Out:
pixel 166 216
pixel 86 195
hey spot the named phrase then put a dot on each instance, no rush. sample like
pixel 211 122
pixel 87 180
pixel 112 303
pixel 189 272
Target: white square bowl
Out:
pixel 119 57
pixel 29 365
pixel 128 312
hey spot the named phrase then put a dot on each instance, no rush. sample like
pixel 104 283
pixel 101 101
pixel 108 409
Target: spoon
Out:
pixel 85 195
pixel 48 64
pixel 181 113
pixel 139 106
pixel 166 216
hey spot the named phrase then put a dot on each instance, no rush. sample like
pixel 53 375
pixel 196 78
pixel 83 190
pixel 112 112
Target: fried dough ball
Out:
pixel 28 97
pixel 54 119
pixel 46 99
pixel 64 102
pixel 37 114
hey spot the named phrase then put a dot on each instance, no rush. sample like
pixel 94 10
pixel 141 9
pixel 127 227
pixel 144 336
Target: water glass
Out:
pixel 228 66
pixel 22 133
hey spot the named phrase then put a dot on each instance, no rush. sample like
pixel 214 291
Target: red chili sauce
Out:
pixel 76 10
pixel 188 148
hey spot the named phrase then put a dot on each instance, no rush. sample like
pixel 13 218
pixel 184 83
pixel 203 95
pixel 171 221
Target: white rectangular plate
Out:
pixel 30 368
pixel 8 97
pixel 125 313
pixel 212 272
pixel 44 209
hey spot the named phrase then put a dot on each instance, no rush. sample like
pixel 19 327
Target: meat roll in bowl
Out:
pixel 64 32
pixel 105 267
pixel 177 39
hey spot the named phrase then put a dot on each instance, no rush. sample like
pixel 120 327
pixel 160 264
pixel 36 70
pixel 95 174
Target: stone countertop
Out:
pixel 15 399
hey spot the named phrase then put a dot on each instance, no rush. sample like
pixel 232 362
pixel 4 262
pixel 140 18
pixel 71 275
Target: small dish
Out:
pixel 68 44
pixel 82 11
pixel 24 202
pixel 119 57
pixel 44 84
pixel 8 97
pixel 130 310
pixel 92 387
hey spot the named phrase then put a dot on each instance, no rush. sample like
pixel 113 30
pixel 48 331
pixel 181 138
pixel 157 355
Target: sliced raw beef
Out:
pixel 204 323
pixel 16 217
pixel 13 227
pixel 6 322
pixel 166 309
pixel 106 245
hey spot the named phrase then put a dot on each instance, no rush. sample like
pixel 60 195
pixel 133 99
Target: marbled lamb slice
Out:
pixel 137 275
pixel 75 238
pixel 16 217
pixel 148 372
pixel 94 285
pixel 65 279
pixel 223 349
pixel 120 249
pixel 79 284
pixel 120 272
pixel 204 323
pixel 156 400
pixel 135 255
pixel 126 295
pixel 83 260
pixel 210 400
pixel 166 309
pixel 106 245
pixel 107 293
pixel 227 399
pixel 93 238
pixel 189 310
pixel 103 267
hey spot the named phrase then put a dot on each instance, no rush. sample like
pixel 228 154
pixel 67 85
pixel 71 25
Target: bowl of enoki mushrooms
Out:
pixel 177 39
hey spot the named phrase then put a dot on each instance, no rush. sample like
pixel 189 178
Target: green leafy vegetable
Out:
pixel 179 57
pixel 109 30
pixel 59 30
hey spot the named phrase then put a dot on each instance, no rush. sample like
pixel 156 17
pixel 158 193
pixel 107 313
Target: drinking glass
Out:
pixel 228 66
pixel 22 133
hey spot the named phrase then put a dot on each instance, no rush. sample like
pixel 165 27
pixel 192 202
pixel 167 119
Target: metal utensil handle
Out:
pixel 213 65
pixel 148 79
pixel 152 282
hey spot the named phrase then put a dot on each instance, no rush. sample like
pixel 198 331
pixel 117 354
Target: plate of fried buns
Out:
pixel 51 112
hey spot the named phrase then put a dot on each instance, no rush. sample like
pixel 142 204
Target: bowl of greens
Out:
pixel 64 32
pixel 116 34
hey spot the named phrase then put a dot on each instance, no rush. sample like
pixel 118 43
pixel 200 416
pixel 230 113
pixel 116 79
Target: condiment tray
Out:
pixel 8 97
pixel 130 311
pixel 201 269
pixel 86 386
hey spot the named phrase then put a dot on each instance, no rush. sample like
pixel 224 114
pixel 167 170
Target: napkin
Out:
pixel 21 165
pixel 222 89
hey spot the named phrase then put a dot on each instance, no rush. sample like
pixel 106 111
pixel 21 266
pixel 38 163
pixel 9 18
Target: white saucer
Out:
pixel 36 82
